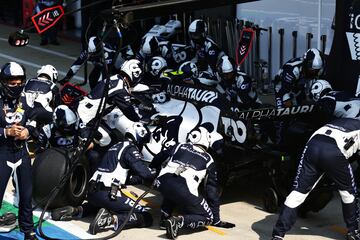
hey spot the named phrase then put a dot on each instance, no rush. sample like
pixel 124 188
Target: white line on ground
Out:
pixel 34 65
pixel 46 50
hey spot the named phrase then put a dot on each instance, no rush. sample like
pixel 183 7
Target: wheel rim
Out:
pixel 78 181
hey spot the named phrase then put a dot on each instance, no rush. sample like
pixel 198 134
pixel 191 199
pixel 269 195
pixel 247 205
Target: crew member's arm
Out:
pixel 84 55
pixel 161 157
pixel 123 101
pixel 134 160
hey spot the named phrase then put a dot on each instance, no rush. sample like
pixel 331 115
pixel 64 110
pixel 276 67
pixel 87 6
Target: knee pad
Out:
pixel 346 197
pixel 103 138
pixel 295 199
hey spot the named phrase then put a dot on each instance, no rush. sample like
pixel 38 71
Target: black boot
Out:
pixel 66 213
pixel 173 224
pixel 354 235
pixel 30 236
pixel 7 222
pixel 7 219
pixel 102 220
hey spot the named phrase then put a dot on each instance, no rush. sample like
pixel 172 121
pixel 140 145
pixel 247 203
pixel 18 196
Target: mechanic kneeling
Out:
pixel 179 181
pixel 327 152
pixel 105 186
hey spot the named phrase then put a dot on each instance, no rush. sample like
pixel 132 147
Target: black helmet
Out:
pixel 313 63
pixel 198 31
pixel 138 133
pixel 65 120
pixel 12 71
pixel 189 69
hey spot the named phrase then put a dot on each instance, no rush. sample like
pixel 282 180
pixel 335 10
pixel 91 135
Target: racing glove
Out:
pixel 223 224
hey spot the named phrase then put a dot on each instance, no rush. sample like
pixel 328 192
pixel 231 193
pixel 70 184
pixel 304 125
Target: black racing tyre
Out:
pixel 48 169
pixel 270 200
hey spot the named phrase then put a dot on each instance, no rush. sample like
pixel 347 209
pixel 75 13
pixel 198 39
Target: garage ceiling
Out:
pixel 148 10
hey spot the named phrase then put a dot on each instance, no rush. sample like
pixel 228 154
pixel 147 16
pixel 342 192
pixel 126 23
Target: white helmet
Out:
pixel 138 133
pixel 200 136
pixel 319 89
pixel 65 119
pixel 226 65
pixel 156 65
pixel 48 71
pixel 189 69
pixel 132 68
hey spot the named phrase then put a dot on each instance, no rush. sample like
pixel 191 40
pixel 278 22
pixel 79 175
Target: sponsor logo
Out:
pixel 190 93
pixel 272 112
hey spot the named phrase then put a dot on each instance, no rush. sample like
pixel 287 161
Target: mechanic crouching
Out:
pixel 105 186
pixel 179 180
pixel 14 157
pixel 327 152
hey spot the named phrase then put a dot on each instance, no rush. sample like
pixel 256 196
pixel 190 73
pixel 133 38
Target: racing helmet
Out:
pixel 133 70
pixel 243 81
pixel 226 68
pixel 319 89
pixel 189 69
pixel 156 65
pixel 198 31
pixel 48 71
pixel 199 136
pixel 65 120
pixel 313 63
pixel 12 71
pixel 138 133
pixel 149 45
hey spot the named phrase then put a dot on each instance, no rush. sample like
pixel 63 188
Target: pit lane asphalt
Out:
pixel 241 202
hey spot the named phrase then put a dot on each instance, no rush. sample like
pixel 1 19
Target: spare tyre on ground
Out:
pixel 49 168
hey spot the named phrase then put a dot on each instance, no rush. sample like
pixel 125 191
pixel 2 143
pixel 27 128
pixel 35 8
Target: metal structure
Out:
pixel 166 7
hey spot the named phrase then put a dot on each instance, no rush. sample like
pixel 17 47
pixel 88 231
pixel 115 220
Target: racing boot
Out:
pixel 173 224
pixel 66 213
pixel 30 236
pixel 354 235
pixel 7 222
pixel 102 220
pixel 277 238
pixel 163 219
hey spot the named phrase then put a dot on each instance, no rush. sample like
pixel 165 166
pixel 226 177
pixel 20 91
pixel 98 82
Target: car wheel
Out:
pixel 270 200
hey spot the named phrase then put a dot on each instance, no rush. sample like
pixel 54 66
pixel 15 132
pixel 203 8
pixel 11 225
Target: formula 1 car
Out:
pixel 239 142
